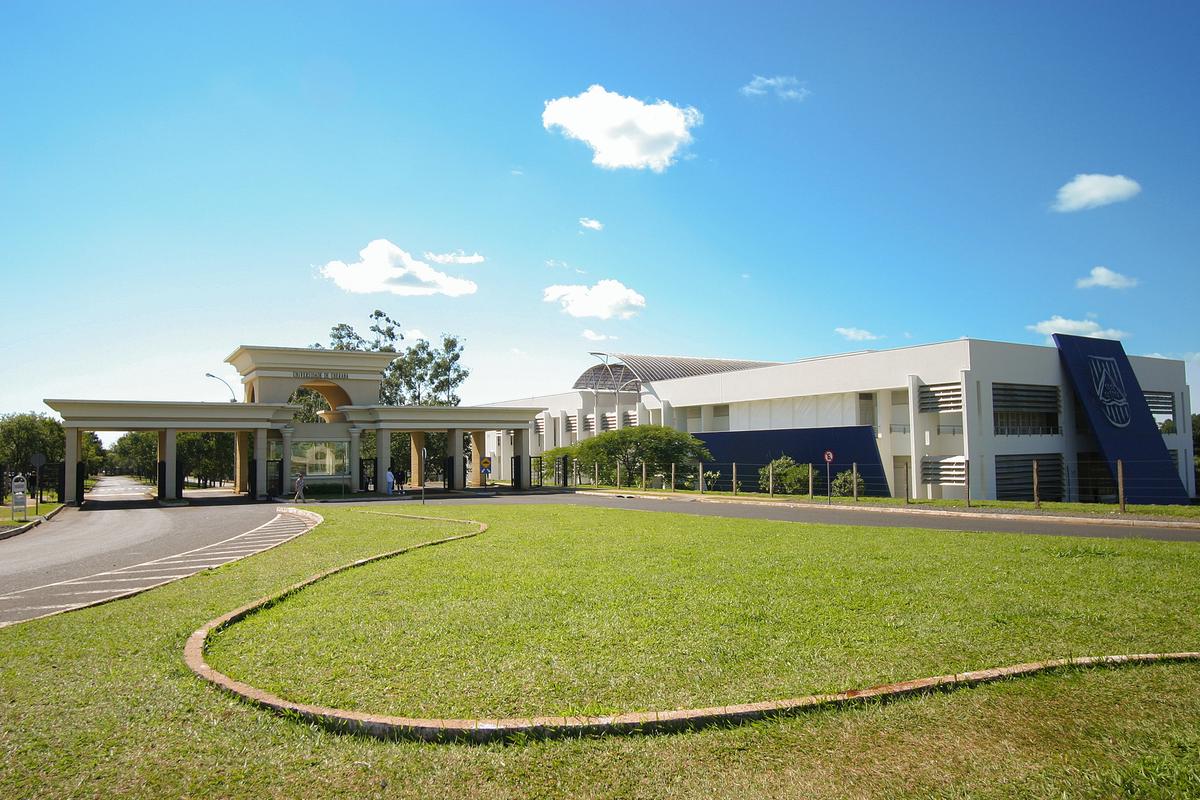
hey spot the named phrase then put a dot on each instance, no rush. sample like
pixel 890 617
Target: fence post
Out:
pixel 967 475
pixel 618 474
pixel 700 476
pixel 810 481
pixel 771 479
pixel 906 480
pixel 854 478
pixel 596 474
pixel 643 476
pixel 735 478
pixel 1037 500
pixel 1121 484
pixel 672 476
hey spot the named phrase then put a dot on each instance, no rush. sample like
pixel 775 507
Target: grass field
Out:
pixel 596 609
pixel 1185 512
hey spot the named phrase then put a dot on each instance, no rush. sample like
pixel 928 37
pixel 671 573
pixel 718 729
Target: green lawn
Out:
pixel 1188 512
pixel 594 609
pixel 34 510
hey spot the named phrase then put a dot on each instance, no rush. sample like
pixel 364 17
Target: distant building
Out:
pixel 920 419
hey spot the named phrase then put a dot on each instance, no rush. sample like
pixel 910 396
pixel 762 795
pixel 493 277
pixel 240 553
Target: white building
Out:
pixel 936 410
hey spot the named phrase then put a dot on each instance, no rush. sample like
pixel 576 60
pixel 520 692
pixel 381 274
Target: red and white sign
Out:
pixel 828 456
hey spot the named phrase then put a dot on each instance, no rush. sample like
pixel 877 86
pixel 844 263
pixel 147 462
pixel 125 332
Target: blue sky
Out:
pixel 178 179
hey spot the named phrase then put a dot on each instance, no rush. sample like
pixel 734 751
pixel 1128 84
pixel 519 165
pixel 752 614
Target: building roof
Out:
pixel 629 370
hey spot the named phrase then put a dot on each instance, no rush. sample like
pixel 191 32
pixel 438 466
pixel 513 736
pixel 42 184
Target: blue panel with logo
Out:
pixel 1120 418
pixel 850 444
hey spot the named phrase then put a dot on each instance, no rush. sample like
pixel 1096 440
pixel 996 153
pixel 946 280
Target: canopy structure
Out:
pixel 627 371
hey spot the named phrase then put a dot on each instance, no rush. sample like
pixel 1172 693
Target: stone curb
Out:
pixel 33 523
pixel 480 731
pixel 937 512
pixel 316 519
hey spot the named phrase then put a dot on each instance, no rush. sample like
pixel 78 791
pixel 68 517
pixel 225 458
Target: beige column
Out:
pixel 478 451
pixel 260 461
pixel 166 452
pixel 286 457
pixel 355 458
pixel 241 446
pixel 520 478
pixel 416 469
pixel 454 446
pixel 71 459
pixel 383 457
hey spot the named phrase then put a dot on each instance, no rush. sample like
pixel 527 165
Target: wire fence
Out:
pixel 1023 479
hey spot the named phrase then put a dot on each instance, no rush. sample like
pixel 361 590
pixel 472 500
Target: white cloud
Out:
pixel 606 299
pixel 1107 278
pixel 457 257
pixel 591 224
pixel 384 267
pixel 856 334
pixel 785 87
pixel 516 171
pixel 592 336
pixel 1092 191
pixel 414 334
pixel 623 131
pixel 1075 327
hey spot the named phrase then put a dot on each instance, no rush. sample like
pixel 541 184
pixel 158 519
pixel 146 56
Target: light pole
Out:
pixel 232 395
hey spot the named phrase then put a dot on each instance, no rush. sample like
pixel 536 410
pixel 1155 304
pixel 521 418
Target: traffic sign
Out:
pixel 18 496
pixel 828 456
pixel 485 464
pixel 37 460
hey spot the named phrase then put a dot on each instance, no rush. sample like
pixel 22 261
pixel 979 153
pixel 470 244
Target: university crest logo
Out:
pixel 1110 389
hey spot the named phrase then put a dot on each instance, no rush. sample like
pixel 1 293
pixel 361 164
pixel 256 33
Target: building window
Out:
pixel 1025 409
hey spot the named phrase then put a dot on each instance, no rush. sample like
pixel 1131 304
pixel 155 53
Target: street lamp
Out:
pixel 232 394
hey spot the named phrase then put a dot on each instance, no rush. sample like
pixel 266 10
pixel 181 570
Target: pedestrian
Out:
pixel 402 479
pixel 299 498
pixel 391 481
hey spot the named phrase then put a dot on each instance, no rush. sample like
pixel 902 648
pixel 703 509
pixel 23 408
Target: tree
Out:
pixel 135 453
pixel 656 446
pixel 22 435
pixel 311 404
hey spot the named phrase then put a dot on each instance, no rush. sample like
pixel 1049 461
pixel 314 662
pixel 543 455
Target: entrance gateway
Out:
pixel 266 434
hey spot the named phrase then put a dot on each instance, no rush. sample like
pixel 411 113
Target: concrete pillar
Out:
pixel 383 457
pixel 916 438
pixel 503 470
pixel 668 414
pixel 970 434
pixel 241 447
pixel 478 451
pixel 416 469
pixel 454 448
pixel 706 418
pixel 520 447
pixel 883 437
pixel 643 414
pixel 260 461
pixel 286 433
pixel 167 453
pixel 562 436
pixel 355 458
pixel 70 460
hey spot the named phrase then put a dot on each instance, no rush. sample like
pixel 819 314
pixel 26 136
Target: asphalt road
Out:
pixel 79 544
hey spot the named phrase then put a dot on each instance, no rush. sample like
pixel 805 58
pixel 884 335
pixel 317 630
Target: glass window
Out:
pixel 320 459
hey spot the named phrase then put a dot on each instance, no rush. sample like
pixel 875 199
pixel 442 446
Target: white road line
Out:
pixel 87 581
pixel 36 608
pixel 155 561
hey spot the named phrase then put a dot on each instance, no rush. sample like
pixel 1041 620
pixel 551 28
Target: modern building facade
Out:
pixel 272 448
pixel 939 414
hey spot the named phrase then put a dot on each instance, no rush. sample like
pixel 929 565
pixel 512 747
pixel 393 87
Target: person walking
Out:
pixel 391 481
pixel 299 498
pixel 402 479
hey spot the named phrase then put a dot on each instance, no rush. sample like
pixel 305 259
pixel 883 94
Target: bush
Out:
pixel 843 484
pixel 790 477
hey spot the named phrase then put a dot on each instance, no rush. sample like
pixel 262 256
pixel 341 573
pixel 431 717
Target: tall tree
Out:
pixel 22 435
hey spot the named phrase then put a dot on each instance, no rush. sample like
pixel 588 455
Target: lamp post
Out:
pixel 232 394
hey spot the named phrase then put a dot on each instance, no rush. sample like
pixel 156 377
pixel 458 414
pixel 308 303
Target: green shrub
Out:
pixel 790 477
pixel 843 484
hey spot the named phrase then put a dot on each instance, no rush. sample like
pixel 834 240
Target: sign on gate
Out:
pixel 19 498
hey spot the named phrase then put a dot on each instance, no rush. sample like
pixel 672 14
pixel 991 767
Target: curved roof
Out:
pixel 628 370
